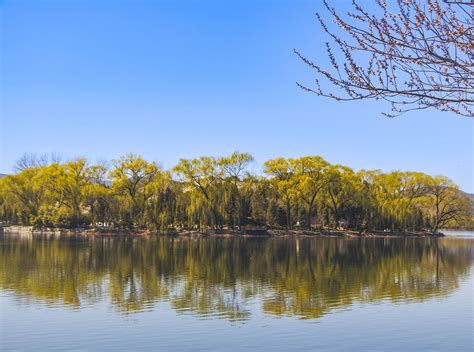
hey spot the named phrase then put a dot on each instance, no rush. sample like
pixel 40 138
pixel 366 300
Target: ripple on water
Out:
pixel 200 294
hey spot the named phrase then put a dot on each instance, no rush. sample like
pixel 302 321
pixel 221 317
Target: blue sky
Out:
pixel 174 79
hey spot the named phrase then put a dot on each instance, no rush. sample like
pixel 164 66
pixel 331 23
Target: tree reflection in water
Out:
pixel 217 277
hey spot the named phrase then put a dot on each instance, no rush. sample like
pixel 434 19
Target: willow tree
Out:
pixel 50 195
pixel 310 180
pixel 64 200
pixel 412 54
pixel 201 175
pixel 98 197
pixel 162 209
pixel 131 179
pixel 66 183
pixel 399 196
pixel 263 201
pixel 282 177
pixel 414 188
pixel 22 196
pixel 340 191
pixel 445 203
pixel 234 169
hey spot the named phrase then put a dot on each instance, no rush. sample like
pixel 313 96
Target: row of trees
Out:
pixel 217 193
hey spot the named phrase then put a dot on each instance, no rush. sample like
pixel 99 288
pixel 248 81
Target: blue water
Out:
pixel 232 294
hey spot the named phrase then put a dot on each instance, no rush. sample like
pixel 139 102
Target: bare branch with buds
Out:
pixel 415 55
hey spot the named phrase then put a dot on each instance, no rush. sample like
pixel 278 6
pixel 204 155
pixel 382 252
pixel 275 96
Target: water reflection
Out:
pixel 220 277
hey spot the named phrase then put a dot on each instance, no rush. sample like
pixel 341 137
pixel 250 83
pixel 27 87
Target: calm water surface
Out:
pixel 132 293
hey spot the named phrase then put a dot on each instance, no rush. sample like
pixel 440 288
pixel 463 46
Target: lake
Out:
pixel 297 293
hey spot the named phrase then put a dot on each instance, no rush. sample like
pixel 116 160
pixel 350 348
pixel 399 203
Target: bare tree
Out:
pixel 414 54
pixel 33 160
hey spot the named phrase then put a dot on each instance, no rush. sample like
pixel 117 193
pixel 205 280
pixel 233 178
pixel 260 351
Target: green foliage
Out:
pixel 217 193
pixel 132 185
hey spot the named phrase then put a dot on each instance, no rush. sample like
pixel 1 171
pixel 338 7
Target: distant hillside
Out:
pixel 471 197
pixel 2 175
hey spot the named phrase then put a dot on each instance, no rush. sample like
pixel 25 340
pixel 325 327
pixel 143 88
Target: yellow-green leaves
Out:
pixel 132 179
pixel 219 193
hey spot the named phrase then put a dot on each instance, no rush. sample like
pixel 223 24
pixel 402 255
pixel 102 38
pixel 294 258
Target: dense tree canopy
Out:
pixel 306 193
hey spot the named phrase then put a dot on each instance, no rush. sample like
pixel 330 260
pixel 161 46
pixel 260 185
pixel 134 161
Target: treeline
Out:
pixel 219 193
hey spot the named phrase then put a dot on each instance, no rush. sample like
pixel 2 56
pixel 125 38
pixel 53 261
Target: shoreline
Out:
pixel 24 230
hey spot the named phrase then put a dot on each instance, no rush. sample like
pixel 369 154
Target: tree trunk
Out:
pixel 288 215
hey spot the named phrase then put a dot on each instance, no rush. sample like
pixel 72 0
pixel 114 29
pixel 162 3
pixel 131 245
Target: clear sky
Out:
pixel 173 79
